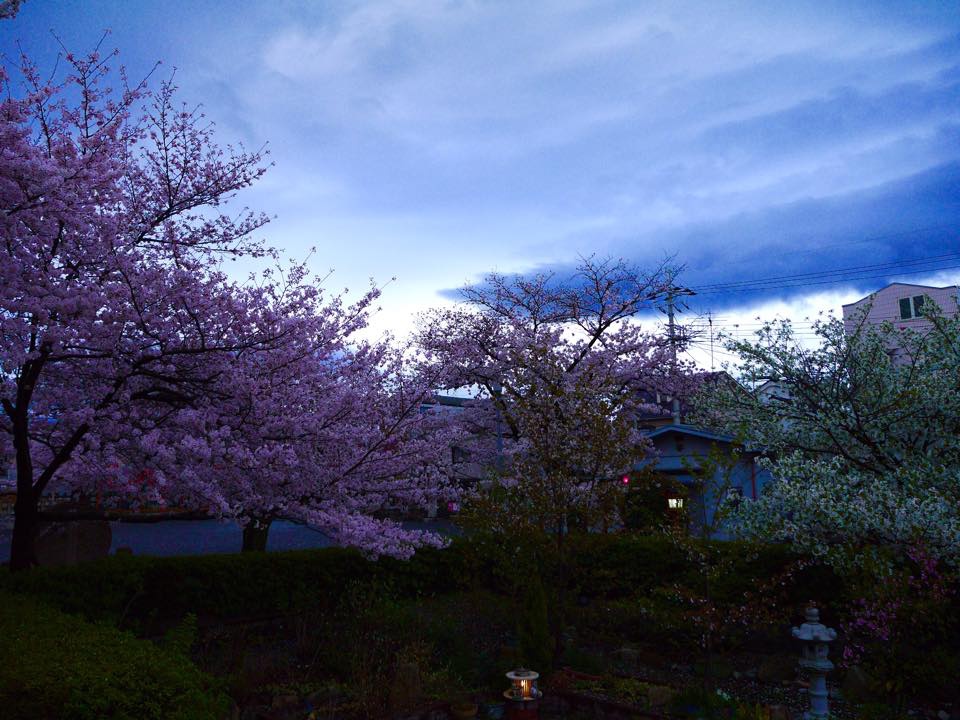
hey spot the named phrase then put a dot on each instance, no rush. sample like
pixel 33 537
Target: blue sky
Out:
pixel 434 141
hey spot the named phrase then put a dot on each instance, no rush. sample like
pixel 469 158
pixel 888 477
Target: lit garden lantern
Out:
pixel 523 697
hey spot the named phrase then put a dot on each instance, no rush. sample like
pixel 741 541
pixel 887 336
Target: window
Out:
pixel 911 307
pixel 675 503
pixel 905 313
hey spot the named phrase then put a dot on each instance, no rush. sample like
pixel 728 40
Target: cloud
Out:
pixel 439 140
pixel 891 224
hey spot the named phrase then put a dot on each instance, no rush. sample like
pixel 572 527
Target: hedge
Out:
pixel 142 589
pixel 55 665
pixel 149 594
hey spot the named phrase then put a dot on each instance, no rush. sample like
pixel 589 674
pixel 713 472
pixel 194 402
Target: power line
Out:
pixel 869 239
pixel 856 268
pixel 858 272
pixel 805 330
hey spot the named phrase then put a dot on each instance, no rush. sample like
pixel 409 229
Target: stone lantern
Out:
pixel 523 697
pixel 813 659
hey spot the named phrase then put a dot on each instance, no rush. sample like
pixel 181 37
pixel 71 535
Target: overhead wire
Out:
pixel 934 263
pixel 726 327
pixel 838 271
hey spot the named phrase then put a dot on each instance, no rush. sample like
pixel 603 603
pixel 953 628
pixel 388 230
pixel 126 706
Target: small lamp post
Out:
pixel 816 638
pixel 523 697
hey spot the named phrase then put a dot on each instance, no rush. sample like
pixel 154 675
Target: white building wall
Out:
pixel 886 305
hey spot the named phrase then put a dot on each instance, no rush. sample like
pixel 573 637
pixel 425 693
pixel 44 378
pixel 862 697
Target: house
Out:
pixel 773 391
pixel 902 304
pixel 466 470
pixel 679 454
pixel 681 451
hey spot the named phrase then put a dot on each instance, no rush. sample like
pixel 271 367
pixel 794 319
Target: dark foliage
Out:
pixel 54 665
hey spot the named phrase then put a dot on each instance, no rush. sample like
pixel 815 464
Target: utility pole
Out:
pixel 710 320
pixel 673 350
pixel 672 293
pixel 498 391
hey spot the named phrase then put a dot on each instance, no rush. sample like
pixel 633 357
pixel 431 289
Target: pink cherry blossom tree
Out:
pixel 110 296
pixel 561 364
pixel 325 428
pixel 560 368
pixel 124 344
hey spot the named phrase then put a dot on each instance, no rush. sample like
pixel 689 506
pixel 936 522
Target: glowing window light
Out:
pixel 675 503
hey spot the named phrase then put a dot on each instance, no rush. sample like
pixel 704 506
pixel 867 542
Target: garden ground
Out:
pixel 329 634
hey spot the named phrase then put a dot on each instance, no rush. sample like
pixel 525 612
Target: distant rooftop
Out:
pixel 901 284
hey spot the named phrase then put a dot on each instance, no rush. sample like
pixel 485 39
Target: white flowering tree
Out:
pixel 865 451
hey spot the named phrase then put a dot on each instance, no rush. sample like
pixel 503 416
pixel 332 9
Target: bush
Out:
pixel 533 631
pixel 619 565
pixel 150 594
pixel 56 665
pixel 612 565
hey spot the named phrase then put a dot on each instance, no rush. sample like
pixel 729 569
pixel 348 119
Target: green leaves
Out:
pixel 56 665
pixel 863 442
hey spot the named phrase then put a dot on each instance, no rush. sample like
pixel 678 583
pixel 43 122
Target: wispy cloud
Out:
pixel 438 140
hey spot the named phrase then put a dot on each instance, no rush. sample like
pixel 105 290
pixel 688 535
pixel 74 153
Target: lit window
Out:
pixel 675 503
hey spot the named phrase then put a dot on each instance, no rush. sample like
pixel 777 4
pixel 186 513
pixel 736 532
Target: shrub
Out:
pixel 150 594
pixel 619 565
pixel 56 665
pixel 533 631
pixel 697 702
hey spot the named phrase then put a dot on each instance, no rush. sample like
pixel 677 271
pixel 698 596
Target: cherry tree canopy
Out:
pixel 122 340
pixel 325 429
pixel 865 445
pixel 560 365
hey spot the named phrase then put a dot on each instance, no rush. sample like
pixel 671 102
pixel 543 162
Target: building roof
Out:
pixel 684 429
pixel 694 431
pixel 445 403
pixel 890 285
pixel 453 400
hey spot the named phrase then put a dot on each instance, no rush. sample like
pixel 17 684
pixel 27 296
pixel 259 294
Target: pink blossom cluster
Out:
pixel 130 361
pixel 560 369
pixel 882 617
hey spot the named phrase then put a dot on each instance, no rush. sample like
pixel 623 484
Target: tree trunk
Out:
pixel 560 616
pixel 26 517
pixel 255 535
